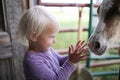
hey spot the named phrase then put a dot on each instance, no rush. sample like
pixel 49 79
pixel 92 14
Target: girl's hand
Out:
pixel 78 53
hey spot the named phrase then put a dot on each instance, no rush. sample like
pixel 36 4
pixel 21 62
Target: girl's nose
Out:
pixel 54 41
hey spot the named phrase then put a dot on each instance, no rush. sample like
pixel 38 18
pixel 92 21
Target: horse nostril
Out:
pixel 96 45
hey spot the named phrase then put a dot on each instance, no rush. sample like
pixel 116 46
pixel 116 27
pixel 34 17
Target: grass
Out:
pixel 65 39
pixel 70 20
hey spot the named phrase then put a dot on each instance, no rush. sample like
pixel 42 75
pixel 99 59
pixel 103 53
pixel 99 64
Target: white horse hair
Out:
pixel 107 30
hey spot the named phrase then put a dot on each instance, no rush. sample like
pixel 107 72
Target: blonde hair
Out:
pixel 34 20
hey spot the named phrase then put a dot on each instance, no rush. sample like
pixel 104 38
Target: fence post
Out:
pixel 90 29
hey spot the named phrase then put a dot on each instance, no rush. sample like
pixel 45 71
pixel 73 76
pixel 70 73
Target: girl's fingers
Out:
pixel 83 55
pixel 82 42
pixel 69 51
pixel 83 45
pixel 72 47
pixel 78 43
pixel 84 58
pixel 76 50
pixel 83 50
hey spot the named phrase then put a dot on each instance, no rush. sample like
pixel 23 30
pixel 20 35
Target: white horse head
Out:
pixel 107 30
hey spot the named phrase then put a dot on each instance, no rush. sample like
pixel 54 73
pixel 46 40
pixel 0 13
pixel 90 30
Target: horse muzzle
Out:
pixel 97 47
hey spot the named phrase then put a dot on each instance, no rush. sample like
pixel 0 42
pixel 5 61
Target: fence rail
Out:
pixel 67 4
pixel 64 51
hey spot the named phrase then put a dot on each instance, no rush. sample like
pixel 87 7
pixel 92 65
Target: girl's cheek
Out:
pixel 50 40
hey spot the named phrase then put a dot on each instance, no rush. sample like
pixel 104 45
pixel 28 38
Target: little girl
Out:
pixel 41 62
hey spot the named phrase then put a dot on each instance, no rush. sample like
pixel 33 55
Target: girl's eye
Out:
pixel 52 36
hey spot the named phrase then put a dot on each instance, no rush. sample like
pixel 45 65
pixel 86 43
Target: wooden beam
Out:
pixel 101 63
pixel 104 63
pixel 62 51
pixel 67 4
pixel 72 30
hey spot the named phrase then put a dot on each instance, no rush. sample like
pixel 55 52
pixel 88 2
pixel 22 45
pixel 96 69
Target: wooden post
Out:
pixel 25 5
pixel 38 2
pixel 12 10
pixel 79 22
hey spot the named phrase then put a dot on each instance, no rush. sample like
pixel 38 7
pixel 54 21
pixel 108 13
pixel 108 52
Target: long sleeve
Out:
pixel 37 68
pixel 61 58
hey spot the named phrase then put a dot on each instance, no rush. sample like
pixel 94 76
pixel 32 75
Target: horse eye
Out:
pixel 111 12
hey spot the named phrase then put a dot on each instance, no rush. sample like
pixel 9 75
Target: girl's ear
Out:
pixel 33 36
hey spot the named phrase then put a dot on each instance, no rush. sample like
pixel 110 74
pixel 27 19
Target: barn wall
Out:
pixel 11 52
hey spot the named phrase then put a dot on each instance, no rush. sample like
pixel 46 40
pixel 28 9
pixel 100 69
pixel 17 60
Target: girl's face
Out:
pixel 47 38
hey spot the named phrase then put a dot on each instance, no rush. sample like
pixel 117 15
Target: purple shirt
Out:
pixel 47 65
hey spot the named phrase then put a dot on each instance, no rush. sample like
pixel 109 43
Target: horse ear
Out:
pixel 116 2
